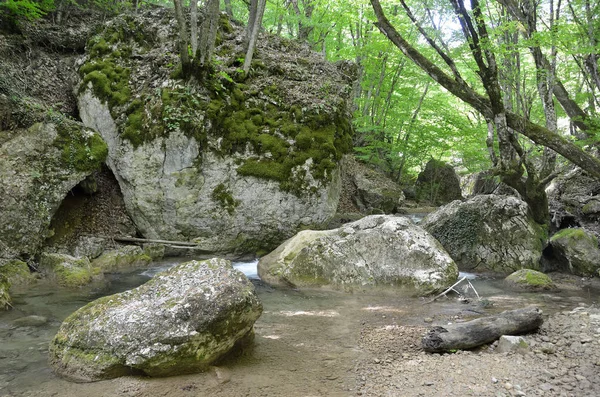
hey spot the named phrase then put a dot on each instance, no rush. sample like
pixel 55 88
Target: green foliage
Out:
pixel 25 9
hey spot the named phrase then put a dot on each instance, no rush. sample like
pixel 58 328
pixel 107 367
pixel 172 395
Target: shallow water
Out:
pixel 307 342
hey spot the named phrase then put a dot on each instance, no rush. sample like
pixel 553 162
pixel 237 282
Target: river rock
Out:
pixel 180 321
pixel 122 258
pixel 377 251
pixel 488 232
pixel 38 167
pixel 438 183
pixel 576 252
pixel 236 169
pixel 67 270
pixel 30 321
pixel 508 343
pixel 528 279
pixel 17 272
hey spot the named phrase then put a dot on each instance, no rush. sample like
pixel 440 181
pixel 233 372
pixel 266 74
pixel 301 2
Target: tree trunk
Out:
pixel 182 40
pixel 535 132
pixel 482 330
pixel 256 25
pixel 194 25
pixel 208 34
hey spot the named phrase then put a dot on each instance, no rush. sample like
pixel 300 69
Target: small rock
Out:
pixel 30 321
pixel 508 386
pixel 508 343
pixel 428 320
pixel 494 380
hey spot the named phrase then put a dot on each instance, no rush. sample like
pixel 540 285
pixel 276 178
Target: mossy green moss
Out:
pixel 223 196
pixel 17 272
pixel 82 149
pixel 530 279
pixel 461 230
pixel 574 234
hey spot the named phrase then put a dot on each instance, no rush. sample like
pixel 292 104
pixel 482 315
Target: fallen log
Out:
pixel 483 330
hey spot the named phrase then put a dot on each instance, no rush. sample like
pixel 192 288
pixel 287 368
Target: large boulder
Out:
pixel 38 167
pixel 368 189
pixel 575 251
pixel 438 183
pixel 180 321
pixel 122 258
pixel 377 251
pixel 488 233
pixel 574 200
pixel 232 163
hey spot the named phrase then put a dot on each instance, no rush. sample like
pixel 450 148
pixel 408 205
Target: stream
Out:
pixel 308 343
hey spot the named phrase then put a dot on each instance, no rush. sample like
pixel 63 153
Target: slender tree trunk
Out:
pixel 208 33
pixel 256 25
pixel 182 41
pixel 194 25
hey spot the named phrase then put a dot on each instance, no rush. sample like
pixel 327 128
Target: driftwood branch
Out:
pixel 482 330
pixel 451 288
pixel 168 243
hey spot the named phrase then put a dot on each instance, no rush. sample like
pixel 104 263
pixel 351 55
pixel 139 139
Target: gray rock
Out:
pixel 438 183
pixel 90 246
pixel 576 251
pixel 508 343
pixel 30 321
pixel 38 167
pixel 488 232
pixel 122 258
pixel 378 250
pixel 240 172
pixel 180 321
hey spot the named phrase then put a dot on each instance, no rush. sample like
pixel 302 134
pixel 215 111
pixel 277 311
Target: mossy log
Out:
pixel 482 330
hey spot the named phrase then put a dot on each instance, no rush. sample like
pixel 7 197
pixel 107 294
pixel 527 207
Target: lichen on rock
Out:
pixel 122 258
pixel 179 322
pixel 488 232
pixel 576 251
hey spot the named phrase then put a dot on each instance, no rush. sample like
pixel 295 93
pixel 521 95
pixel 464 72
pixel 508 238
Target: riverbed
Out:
pixel 308 343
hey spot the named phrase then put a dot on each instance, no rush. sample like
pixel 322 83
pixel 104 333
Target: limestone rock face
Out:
pixel 179 322
pixel 488 232
pixel 531 280
pixel 576 251
pixel 438 183
pixel 377 251
pixel 38 167
pixel 236 170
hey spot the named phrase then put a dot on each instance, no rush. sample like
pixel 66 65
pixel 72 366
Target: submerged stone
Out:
pixel 376 251
pixel 180 321
pixel 122 258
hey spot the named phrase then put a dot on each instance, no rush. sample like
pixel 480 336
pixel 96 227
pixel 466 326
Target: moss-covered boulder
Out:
pixel 17 272
pixel 38 167
pixel 122 258
pixel 235 162
pixel 530 280
pixel 438 183
pixel 68 270
pixel 376 251
pixel 576 252
pixel 488 233
pixel 179 322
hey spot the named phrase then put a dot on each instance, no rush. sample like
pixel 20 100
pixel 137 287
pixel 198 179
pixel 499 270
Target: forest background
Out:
pixel 540 58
